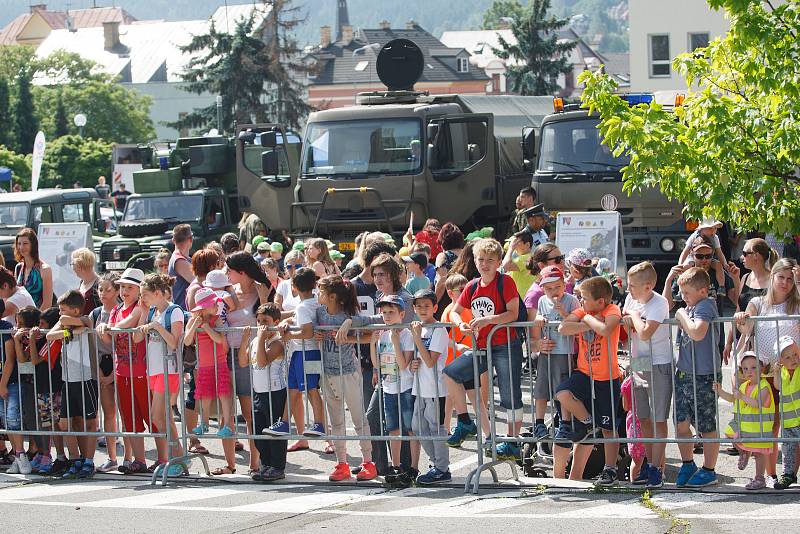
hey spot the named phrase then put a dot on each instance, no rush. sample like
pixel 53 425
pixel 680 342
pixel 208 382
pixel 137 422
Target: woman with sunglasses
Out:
pixel 543 256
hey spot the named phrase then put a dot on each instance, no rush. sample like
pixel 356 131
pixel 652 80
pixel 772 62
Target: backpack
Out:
pixel 168 315
pixel 522 311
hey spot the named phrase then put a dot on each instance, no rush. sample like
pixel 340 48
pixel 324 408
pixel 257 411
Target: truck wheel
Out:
pixel 143 228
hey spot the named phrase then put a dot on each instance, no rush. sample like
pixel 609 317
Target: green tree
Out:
pixel 539 55
pixel 73 158
pixel 6 138
pixel 19 164
pixel 732 150
pixel 502 9
pixel 61 123
pixel 25 123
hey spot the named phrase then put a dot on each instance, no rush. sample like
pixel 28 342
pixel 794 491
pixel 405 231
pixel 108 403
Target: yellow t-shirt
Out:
pixel 523 277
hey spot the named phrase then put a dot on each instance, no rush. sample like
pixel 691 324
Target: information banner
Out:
pixel 57 241
pixel 600 232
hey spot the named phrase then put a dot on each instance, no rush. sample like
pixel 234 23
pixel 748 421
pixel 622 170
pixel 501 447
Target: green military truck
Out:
pixel 395 155
pixel 192 182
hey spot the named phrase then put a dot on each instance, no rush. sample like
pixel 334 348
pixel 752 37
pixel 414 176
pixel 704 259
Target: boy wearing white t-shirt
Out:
pixel 644 313
pixel 429 388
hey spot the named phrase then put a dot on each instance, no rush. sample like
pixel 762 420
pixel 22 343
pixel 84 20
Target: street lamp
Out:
pixel 219 113
pixel 80 122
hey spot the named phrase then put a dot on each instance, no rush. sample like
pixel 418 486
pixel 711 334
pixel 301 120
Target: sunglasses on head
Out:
pixel 703 256
pixel 557 259
pixel 294 265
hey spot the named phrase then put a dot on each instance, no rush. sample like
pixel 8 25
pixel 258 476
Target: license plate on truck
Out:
pixel 116 265
pixel 347 247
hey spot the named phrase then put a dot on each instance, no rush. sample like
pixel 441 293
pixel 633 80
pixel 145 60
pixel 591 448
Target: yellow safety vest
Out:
pixel 753 422
pixel 790 398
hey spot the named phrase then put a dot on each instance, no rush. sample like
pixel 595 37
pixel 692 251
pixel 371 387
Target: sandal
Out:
pixel 329 448
pixel 756 484
pixel 224 471
pixel 198 449
pixel 744 457
pixel 297 447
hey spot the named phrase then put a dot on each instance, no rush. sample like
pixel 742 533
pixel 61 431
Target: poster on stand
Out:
pixel 57 241
pixel 600 232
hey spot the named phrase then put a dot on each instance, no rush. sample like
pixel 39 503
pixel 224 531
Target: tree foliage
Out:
pixel 19 164
pixel 26 124
pixel 535 61
pixel 72 158
pixel 732 150
pixel 5 114
pixel 499 10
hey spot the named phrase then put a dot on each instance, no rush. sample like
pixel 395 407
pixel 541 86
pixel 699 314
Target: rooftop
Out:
pixel 56 20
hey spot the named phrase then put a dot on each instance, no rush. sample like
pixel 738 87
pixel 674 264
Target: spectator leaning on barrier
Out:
pixel 787 383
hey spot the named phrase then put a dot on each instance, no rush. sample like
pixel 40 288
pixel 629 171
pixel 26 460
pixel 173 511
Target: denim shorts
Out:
pixel 705 418
pixel 10 414
pixel 391 413
pixel 507 364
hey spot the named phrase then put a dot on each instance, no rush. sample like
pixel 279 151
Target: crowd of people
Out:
pixel 281 328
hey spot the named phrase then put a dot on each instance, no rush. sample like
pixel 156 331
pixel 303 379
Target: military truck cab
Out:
pixel 575 171
pixel 31 208
pixel 395 155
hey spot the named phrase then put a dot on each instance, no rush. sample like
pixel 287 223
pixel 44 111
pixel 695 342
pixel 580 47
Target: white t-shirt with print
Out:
pixel 265 379
pixel 76 364
pixel 389 369
pixel 658 347
pixel 157 348
pixel 304 313
pixel 429 383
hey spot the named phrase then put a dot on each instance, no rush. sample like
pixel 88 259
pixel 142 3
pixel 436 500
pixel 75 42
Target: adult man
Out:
pixel 120 196
pixel 536 221
pixel 102 188
pixel 525 199
pixel 180 265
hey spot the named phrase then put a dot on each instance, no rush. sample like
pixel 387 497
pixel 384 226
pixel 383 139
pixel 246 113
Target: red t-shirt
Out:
pixel 485 301
pixel 430 239
pixel 127 366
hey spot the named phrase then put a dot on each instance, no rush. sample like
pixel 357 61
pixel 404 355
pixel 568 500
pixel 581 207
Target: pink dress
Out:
pixel 213 375
pixel 632 426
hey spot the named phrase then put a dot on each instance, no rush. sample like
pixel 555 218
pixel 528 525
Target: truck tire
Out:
pixel 143 228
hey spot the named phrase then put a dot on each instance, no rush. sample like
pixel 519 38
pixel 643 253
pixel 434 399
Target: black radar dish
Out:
pixel 400 65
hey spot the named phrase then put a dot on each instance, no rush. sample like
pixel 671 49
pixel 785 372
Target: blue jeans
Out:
pixel 396 415
pixel 10 412
pixel 507 363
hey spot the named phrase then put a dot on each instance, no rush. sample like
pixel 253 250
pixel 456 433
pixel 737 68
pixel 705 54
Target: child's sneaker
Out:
pixel 45 465
pixel 154 466
pixel 391 475
pixel 87 470
pixel 686 472
pixel 14 468
pixel 58 468
pixel 405 479
pixel 279 428
pixel 340 472
pixel 24 464
pixel 271 474
pixel 785 481
pixel 434 476
pixel 200 429
pixel 133 468
pixel 644 475
pixel 108 466
pixel 655 478
pixel 74 469
pixel 225 432
pixel 607 478
pixel 702 478
pixel 461 432
pixel 317 429
pixel 36 462
pixel 368 471
pixel 508 451
pixel 540 431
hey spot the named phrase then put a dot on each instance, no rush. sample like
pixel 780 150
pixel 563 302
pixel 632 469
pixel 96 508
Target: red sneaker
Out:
pixel 341 472
pixel 368 471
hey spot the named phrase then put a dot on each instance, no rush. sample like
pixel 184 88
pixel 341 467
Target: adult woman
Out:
pixel 14 297
pixel 31 272
pixel 83 261
pixel 319 258
pixel 451 241
pixel 252 288
pixel 782 298
pixel 270 268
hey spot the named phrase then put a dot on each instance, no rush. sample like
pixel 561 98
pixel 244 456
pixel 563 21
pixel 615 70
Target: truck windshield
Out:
pixel 386 146
pixel 174 208
pixel 14 214
pixel 575 146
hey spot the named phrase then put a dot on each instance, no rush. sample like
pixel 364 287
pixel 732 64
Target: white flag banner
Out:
pixel 38 158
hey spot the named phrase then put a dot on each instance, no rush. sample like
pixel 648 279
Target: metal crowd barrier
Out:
pixel 330 373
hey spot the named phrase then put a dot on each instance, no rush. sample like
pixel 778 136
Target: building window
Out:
pixel 463 64
pixel 698 40
pixel 659 56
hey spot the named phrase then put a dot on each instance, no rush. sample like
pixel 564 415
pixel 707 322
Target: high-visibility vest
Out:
pixel 753 422
pixel 790 398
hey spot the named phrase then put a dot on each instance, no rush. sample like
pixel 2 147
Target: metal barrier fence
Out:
pixel 381 411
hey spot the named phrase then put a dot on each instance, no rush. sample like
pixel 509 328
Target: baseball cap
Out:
pixel 216 279
pixel 263 247
pixel 336 255
pixel 300 245
pixel 131 276
pixel 746 354
pixel 257 240
pixel 425 294
pixel 276 247
pixel 784 343
pixel 579 257
pixel 205 298
pixel 397 300
pixel 551 273
pixel 417 257
pixel 697 244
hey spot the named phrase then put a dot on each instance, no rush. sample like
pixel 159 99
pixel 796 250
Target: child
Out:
pixel 633 429
pixel 218 281
pixel 13 391
pixel 304 371
pixel 591 394
pixel 109 297
pixel 343 381
pixel 429 389
pixel 392 352
pixel 706 230
pixel 161 263
pixel 79 393
pixel 276 253
pixel 579 261
pixel 494 300
pixel 264 355
pixel 698 368
pixel 130 365
pixel 554 364
pixel 162 329
pixel 651 361
pixel 753 416
pixel 213 375
pixel 415 266
pixel 787 381
pixel 262 251
pixel 516 260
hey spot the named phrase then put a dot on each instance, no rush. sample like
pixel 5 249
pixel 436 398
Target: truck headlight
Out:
pixel 667 244
pixel 117 254
pixel 681 243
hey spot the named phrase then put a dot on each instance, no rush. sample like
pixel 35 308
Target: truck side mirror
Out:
pixel 269 139
pixel 433 131
pixel 528 146
pixel 269 163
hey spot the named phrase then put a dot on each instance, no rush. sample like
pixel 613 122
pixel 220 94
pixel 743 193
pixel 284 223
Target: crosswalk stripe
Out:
pixel 162 496
pixel 40 491
pixel 630 508
pixel 307 503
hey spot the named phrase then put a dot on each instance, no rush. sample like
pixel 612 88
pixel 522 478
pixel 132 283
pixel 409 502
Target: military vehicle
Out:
pixel 575 171
pixel 31 208
pixel 395 155
pixel 192 182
